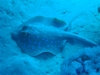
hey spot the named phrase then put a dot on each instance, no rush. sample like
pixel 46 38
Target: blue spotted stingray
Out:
pixel 40 34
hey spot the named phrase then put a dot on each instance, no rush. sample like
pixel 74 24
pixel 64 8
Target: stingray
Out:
pixel 41 34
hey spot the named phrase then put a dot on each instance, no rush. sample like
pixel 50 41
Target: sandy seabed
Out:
pixel 82 16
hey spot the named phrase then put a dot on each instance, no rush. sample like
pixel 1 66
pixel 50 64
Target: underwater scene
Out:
pixel 49 37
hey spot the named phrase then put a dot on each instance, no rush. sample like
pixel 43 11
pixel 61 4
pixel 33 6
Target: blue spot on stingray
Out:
pixel 42 38
pixel 58 41
pixel 35 42
pixel 37 36
pixel 39 43
pixel 48 45
pixel 24 45
pixel 39 46
pixel 32 29
pixel 52 41
pixel 46 40
pixel 32 48
pixel 29 41
pixel 23 39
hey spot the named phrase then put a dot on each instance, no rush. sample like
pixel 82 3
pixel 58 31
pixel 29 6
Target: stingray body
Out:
pixel 40 34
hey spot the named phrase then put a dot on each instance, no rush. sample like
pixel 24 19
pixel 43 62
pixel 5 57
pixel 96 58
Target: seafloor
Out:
pixel 83 17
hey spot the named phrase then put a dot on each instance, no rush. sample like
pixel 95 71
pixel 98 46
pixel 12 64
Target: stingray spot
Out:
pixel 29 41
pixel 58 41
pixel 37 36
pixel 52 38
pixel 24 44
pixel 39 47
pixel 32 29
pixel 48 45
pixel 23 39
pixel 36 32
pixel 43 39
pixel 27 50
pixel 52 41
pixel 39 43
pixel 35 42
pixel 43 48
pixel 32 48
pixel 46 40
pixel 28 46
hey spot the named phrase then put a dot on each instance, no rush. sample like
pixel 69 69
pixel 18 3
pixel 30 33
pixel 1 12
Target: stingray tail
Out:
pixel 71 37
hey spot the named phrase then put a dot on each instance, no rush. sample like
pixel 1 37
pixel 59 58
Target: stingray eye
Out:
pixel 24 33
pixel 24 27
